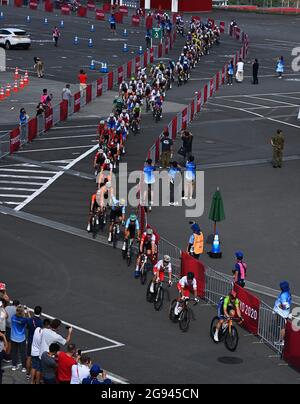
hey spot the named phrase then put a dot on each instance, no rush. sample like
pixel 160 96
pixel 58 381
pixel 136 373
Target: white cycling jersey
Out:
pixel 184 283
pixel 159 266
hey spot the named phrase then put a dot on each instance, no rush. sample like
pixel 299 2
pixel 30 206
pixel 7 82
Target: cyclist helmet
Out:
pixel 122 202
pixel 190 276
pixel 239 255
pixel 133 217
pixel 167 259
pixel 149 232
pixel 102 122
pixel 111 115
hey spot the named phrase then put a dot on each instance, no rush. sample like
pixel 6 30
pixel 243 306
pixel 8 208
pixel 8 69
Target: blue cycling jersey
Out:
pixel 130 223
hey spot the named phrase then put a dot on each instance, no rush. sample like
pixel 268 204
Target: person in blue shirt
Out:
pixel 32 324
pixel 18 337
pixel 230 73
pixel 149 180
pixel 93 378
pixel 113 26
pixel 282 308
pixel 190 176
pixel 280 67
pixel 23 117
pixel 174 175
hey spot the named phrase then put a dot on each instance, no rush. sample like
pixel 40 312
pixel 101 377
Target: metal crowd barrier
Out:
pixel 270 325
pixel 4 144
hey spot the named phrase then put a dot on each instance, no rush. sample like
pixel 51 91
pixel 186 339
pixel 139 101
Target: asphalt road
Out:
pixel 261 209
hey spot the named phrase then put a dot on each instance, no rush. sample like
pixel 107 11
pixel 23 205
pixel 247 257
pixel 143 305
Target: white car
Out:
pixel 14 37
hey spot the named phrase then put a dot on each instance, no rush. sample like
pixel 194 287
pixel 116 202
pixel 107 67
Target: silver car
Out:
pixel 14 38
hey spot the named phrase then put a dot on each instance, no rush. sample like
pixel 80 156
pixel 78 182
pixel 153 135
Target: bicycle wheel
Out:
pixel 129 253
pixel 159 298
pixel 149 295
pixel 143 276
pixel 172 315
pixel 232 339
pixel 184 319
pixel 94 227
pixel 114 237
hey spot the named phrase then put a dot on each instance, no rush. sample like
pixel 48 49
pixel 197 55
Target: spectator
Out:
pixel 93 378
pixel 166 148
pixel 40 109
pixel 81 370
pixel 18 337
pixel 149 181
pixel 82 77
pixel 240 270
pixel 36 368
pixel 33 323
pixel 3 352
pixel 11 311
pixel 280 67
pixel 3 317
pixel 23 117
pixel 282 308
pixel 187 144
pixel 3 295
pixel 230 73
pixel 277 143
pixel 50 336
pixel 39 67
pixel 148 40
pixel 174 183
pixel 255 67
pixel 240 71
pixel 49 364
pixel 66 94
pixel 46 98
pixel 190 176
pixel 64 364
pixel 113 25
pixel 56 35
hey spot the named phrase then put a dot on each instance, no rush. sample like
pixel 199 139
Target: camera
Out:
pixel 79 352
pixel 68 327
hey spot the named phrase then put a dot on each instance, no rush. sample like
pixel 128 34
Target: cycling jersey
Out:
pixel 228 305
pixel 115 206
pixel 185 288
pixel 159 267
pixel 135 224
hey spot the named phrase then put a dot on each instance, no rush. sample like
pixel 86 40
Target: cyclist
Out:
pixel 159 272
pixel 229 306
pixel 158 105
pixel 118 105
pixel 132 228
pixel 111 121
pixel 148 246
pixel 186 286
pixel 99 160
pixel 97 204
pixel 117 215
pixel 137 115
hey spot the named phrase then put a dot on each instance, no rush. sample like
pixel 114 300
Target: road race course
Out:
pixel 85 282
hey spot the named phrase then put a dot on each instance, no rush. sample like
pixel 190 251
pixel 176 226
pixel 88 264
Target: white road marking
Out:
pixel 27 171
pixel 64 137
pixel 267 99
pixel 288 96
pixel 73 127
pixel 13 196
pixel 18 189
pixel 25 176
pixel 249 103
pixel 54 149
pixel 246 95
pixel 55 177
pixel 21 183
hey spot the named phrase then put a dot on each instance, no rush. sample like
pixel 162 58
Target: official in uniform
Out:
pixel 277 143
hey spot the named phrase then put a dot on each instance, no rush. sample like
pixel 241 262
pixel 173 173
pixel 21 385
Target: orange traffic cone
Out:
pixel 15 88
pixel 2 95
pixel 7 92
pixel 26 79
pixel 16 73
pixel 21 83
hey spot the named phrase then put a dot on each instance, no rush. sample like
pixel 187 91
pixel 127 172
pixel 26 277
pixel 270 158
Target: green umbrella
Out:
pixel 217 213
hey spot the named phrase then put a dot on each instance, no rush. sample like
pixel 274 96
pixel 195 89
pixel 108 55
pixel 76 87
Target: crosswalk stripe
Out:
pixel 21 183
pixel 13 196
pixel 25 176
pixel 27 171
pixel 18 189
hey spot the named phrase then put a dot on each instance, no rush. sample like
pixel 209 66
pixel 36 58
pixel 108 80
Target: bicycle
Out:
pixel 114 235
pixel 185 315
pixel 128 253
pixel 227 333
pixel 145 267
pixel 157 298
pixel 156 113
pixel 134 127
pixel 94 225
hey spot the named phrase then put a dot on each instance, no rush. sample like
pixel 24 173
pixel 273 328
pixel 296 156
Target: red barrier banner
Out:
pixel 237 32
pixel 88 93
pixel 157 154
pixel 205 94
pixel 149 22
pixel 222 27
pixel 110 80
pixel 91 5
pixel 145 58
pixel 291 353
pixel 199 102
pixel 106 7
pixel 100 15
pixel 135 21
pixel 190 264
pixel 212 22
pixel 244 52
pixel 217 81
pixel 65 10
pixel 174 128
pixel 250 306
pixel 48 118
pixel 63 110
pixel 211 87
pixel 224 70
pixel 137 63
pixel 160 48
pixel 99 87
pixel 167 47
pixel 33 5
pixel 32 129
pixel 49 6
pixel 77 102
pixel 119 18
pixel 184 118
pixel 129 68
pixel 151 55
pixel 18 3
pixel 192 110
pixel 82 11
pixel 123 10
pixel 15 140
pixel 120 74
